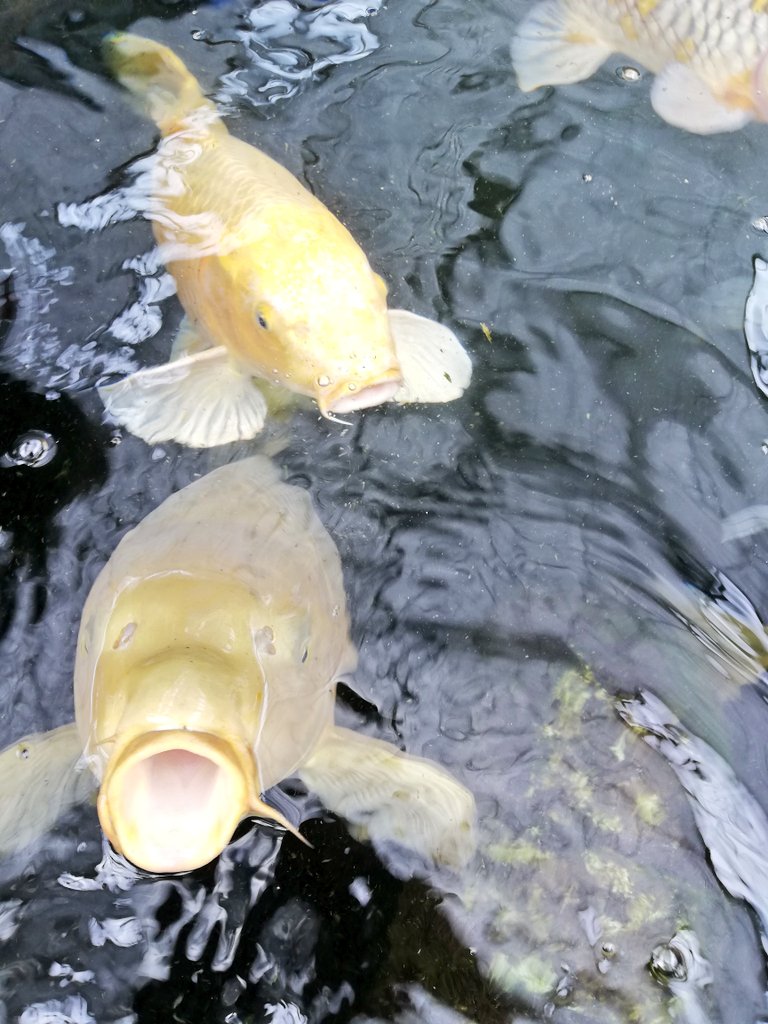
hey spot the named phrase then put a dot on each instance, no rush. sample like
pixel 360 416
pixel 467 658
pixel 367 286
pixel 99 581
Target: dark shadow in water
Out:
pixel 49 453
pixel 80 27
pixel 334 950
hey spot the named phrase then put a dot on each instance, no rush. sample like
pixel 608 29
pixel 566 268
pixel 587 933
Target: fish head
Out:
pixel 171 729
pixel 314 319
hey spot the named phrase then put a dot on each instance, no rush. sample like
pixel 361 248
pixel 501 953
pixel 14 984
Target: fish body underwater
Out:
pixel 272 284
pixel 709 56
pixel 205 673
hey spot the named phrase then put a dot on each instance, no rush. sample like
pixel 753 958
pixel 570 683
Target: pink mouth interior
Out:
pixel 375 394
pixel 172 799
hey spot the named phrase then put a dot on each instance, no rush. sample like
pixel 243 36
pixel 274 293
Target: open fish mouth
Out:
pixel 353 398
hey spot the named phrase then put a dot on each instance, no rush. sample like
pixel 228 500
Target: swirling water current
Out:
pixel 587 522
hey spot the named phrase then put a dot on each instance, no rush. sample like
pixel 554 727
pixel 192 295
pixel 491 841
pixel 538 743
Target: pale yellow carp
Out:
pixel 208 653
pixel 273 285
pixel 709 56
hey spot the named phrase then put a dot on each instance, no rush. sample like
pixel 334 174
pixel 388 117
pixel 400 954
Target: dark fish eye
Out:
pixel 262 321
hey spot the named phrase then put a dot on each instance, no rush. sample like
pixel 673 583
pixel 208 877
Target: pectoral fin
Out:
pixel 387 795
pixel 435 367
pixel 39 781
pixel 547 49
pixel 681 98
pixel 199 400
pixel 189 340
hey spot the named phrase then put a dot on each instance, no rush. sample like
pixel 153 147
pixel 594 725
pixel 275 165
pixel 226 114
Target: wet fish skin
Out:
pixel 273 285
pixel 709 57
pixel 205 673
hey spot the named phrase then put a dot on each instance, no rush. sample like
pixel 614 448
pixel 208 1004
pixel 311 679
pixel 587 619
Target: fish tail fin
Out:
pixel 157 77
pixel 547 49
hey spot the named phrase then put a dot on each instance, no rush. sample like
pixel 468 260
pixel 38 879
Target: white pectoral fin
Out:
pixel 386 795
pixel 680 97
pixel 548 50
pixel 189 340
pixel 434 365
pixel 39 780
pixel 199 400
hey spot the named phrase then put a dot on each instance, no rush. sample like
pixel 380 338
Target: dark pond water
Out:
pixel 514 561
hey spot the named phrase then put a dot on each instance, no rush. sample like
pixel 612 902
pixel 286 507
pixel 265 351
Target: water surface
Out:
pixel 513 561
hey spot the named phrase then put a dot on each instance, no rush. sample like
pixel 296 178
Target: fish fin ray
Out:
pixel 39 780
pixel 389 796
pixel 189 341
pixel 199 400
pixel 680 97
pixel 434 365
pixel 547 50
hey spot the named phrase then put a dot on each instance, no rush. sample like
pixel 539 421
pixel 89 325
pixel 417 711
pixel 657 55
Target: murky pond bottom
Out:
pixel 567 536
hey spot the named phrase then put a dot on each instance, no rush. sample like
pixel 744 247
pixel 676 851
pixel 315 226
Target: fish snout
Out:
pixel 351 396
pixel 172 800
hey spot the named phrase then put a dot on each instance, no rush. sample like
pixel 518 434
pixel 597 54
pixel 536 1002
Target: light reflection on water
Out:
pixel 512 561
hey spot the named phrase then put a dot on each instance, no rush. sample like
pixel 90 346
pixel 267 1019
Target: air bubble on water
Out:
pixel 760 224
pixel 586 177
pixel 665 964
pixel 628 74
pixel 323 381
pixel 764 447
pixel 198 34
pixel 34 448
pixel 52 396
pixel 352 386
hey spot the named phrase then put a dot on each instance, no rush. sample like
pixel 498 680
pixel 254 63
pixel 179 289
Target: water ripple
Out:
pixel 287 45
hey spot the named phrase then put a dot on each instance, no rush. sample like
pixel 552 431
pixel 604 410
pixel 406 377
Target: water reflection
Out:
pixel 613 428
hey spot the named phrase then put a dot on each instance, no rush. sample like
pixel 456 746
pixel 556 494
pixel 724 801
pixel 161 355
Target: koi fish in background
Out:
pixel 709 56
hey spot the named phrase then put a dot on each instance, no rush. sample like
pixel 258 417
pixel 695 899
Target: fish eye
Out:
pixel 262 320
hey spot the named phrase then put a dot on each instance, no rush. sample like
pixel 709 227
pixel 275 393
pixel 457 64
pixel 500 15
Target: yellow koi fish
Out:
pixel 272 284
pixel 205 673
pixel 709 56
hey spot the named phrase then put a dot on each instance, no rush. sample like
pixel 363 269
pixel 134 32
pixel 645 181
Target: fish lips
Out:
pixel 350 396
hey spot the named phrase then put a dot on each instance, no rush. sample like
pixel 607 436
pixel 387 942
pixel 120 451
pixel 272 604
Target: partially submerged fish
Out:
pixel 273 285
pixel 205 674
pixel 709 57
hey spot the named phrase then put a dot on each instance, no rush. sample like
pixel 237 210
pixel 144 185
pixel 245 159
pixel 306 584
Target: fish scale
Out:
pixel 708 54
pixel 668 24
